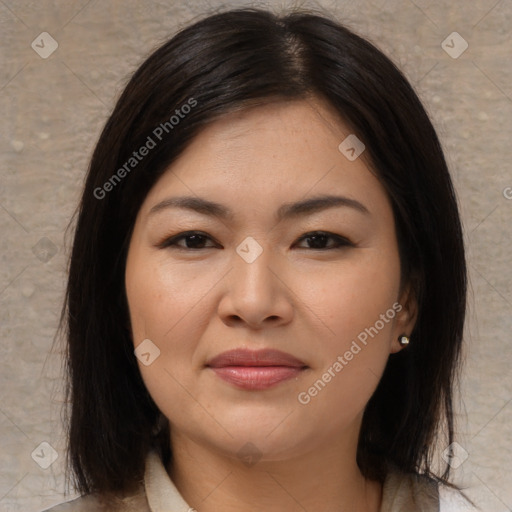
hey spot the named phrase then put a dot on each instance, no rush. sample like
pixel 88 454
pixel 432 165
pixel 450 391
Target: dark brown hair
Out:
pixel 226 62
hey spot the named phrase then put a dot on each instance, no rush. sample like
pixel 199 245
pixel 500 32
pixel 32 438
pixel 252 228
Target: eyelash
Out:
pixel 171 242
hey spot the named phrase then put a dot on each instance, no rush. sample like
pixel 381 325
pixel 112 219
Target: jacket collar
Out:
pixel 401 492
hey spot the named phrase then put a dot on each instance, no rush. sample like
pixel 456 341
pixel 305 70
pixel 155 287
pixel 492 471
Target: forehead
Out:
pixel 279 131
pixel 267 155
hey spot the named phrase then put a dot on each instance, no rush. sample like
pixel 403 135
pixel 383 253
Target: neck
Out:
pixel 323 479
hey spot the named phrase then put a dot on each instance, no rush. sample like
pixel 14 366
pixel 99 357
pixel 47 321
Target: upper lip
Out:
pixel 262 357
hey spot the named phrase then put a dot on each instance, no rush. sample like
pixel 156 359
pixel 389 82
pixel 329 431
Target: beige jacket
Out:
pixel 401 493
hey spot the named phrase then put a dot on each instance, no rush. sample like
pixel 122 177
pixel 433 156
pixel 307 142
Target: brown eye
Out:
pixel 319 240
pixel 193 240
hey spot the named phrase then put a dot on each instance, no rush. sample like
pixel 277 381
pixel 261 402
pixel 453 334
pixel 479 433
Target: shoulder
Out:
pixel 452 500
pixel 409 492
pixel 93 503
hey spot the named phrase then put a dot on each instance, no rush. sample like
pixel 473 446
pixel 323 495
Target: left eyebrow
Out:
pixel 316 204
pixel 285 211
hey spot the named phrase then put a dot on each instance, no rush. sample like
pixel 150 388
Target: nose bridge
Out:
pixel 254 291
pixel 252 266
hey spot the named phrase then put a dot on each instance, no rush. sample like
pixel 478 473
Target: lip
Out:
pixel 262 357
pixel 256 369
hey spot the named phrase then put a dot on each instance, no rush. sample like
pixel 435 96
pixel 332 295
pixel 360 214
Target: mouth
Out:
pixel 256 369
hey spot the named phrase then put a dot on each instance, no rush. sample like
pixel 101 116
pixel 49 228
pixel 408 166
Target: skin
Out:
pixel 196 303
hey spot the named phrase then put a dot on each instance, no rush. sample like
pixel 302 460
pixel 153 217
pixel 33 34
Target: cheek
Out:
pixel 161 297
pixel 353 296
pixel 165 307
pixel 352 365
pixel 168 305
pixel 357 306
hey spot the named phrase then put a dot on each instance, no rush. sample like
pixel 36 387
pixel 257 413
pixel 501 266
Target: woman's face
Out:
pixel 251 280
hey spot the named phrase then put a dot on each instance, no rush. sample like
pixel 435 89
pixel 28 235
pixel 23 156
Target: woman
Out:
pixel 267 286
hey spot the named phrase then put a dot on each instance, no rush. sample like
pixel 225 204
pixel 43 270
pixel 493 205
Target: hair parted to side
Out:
pixel 230 61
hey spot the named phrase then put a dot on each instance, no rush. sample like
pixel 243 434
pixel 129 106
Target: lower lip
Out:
pixel 256 377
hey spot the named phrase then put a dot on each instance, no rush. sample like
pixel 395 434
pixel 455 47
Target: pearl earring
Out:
pixel 403 340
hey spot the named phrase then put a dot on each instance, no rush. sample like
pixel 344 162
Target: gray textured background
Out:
pixel 53 110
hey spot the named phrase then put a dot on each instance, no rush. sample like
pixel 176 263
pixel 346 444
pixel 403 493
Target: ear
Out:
pixel 405 319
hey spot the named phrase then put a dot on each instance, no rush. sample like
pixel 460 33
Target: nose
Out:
pixel 256 294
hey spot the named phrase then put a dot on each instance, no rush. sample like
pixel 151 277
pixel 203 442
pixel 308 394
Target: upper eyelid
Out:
pixel 185 234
